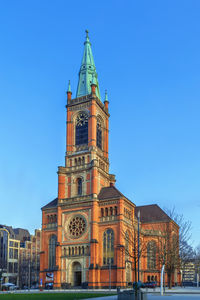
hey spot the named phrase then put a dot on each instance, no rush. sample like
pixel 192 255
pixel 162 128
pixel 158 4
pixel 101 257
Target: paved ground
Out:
pixel 176 290
pixel 159 297
pixel 173 297
pixel 178 293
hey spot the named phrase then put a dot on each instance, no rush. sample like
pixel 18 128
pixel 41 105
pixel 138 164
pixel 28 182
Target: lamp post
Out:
pixel 110 273
pixel 138 245
pixel 110 245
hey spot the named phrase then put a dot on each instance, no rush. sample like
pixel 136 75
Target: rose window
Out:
pixel 77 226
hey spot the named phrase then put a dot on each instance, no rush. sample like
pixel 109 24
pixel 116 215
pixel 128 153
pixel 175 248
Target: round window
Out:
pixel 76 226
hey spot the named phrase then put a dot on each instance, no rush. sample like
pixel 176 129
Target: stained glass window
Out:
pixel 52 251
pixel 151 255
pixel 79 186
pixel 108 247
pixel 99 135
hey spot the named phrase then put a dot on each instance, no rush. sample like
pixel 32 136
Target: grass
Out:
pixel 55 296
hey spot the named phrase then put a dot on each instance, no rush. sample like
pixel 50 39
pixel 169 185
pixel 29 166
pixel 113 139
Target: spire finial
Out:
pixel 87 36
pixel 106 96
pixel 87 69
pixel 69 87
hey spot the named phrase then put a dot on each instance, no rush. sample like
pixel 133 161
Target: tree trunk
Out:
pixel 169 275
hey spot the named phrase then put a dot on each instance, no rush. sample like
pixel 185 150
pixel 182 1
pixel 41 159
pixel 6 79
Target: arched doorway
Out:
pixel 77 273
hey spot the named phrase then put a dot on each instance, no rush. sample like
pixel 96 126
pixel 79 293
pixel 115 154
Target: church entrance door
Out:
pixel 77 278
pixel 77 273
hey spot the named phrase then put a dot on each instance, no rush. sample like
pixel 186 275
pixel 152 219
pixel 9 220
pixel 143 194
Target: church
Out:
pixel 92 234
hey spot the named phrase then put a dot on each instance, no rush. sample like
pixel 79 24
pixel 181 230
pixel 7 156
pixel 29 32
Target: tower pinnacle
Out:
pixel 106 96
pixel 87 73
pixel 69 87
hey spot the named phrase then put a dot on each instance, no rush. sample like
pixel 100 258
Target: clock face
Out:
pixel 76 226
pixel 82 119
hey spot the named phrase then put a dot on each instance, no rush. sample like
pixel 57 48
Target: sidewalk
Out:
pixel 174 290
pixel 150 292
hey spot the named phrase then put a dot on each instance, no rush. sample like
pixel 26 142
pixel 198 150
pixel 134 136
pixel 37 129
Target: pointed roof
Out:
pixel 69 87
pixel 87 72
pixel 51 204
pixel 152 213
pixel 106 96
pixel 110 192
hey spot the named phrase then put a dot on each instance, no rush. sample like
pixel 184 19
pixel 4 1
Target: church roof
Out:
pixel 51 204
pixel 151 213
pixel 87 73
pixel 109 193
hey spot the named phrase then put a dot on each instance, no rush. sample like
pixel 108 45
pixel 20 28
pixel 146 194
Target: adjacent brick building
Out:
pixel 29 261
pixel 89 232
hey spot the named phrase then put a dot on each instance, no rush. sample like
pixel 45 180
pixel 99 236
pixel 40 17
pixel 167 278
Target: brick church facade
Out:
pixel 90 231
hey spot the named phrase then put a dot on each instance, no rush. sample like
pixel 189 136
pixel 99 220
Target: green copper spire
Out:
pixel 69 87
pixel 106 96
pixel 87 73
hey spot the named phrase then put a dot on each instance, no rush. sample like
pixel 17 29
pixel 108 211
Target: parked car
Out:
pixel 195 283
pixel 151 284
pixel 49 286
pixel 84 285
pixel 139 284
pixel 8 286
pixel 13 287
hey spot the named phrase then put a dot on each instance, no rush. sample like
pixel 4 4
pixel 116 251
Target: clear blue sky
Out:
pixel 147 55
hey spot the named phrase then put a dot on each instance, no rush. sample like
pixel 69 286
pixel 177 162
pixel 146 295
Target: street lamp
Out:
pixel 110 273
pixel 138 215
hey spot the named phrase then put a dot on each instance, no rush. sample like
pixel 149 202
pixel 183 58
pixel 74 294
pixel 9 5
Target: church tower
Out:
pixel 86 168
pixel 81 240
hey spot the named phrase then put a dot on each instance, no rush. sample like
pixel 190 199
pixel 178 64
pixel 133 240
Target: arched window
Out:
pixel 52 251
pixel 79 186
pixel 82 129
pixel 115 210
pixel 102 212
pixel 127 244
pixel 83 160
pixel 151 255
pixel 99 135
pixel 106 211
pixel 108 247
pixel 111 211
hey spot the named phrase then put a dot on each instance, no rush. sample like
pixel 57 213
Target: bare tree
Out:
pixel 185 235
pixel 197 261
pixel 168 250
pixel 179 251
